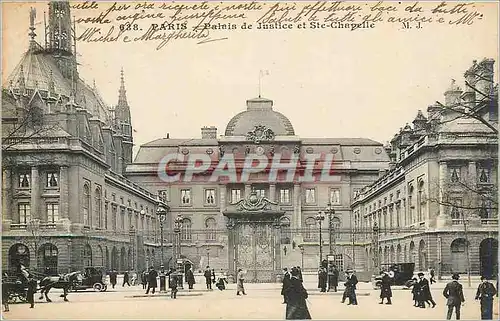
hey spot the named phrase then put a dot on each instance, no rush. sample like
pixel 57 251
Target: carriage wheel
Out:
pixel 97 287
pixel 104 288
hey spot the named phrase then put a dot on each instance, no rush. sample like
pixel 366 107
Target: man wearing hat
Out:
pixel 485 293
pixel 350 288
pixel 454 295
pixel 425 292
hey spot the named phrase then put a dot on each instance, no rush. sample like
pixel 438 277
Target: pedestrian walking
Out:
pixel 30 294
pixel 163 279
pixel 173 283
pixel 240 277
pixel 296 306
pixel 285 284
pixel 322 279
pixel 433 276
pixel 416 292
pixel 485 293
pixel 208 277
pixel 126 278
pixel 190 278
pixel 454 295
pixel 385 289
pixel 6 287
pixel 144 279
pixel 152 283
pixel 425 292
pixel 112 278
pixel 350 288
pixel 213 276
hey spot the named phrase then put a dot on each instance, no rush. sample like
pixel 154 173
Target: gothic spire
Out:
pixel 32 33
pixel 122 93
pixel 60 31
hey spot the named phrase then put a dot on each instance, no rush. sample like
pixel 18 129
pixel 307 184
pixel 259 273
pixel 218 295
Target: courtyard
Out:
pixel 263 301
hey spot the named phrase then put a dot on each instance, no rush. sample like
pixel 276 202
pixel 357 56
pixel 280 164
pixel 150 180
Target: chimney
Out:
pixel 452 95
pixel 209 132
pixel 168 135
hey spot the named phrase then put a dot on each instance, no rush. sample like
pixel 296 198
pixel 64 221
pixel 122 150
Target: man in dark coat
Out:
pixel 286 284
pixel 190 278
pixel 454 295
pixel 425 292
pixel 485 293
pixel 208 278
pixel 433 276
pixel 126 278
pixel 350 288
pixel 112 278
pixel 322 279
pixel 416 292
pixel 300 273
pixel 385 289
pixel 296 294
pixel 152 283
pixel 30 294
pixel 144 279
pixel 173 282
pixel 333 280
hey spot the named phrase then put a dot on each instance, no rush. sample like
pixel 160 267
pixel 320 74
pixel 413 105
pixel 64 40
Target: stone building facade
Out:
pixel 66 204
pixel 214 212
pixel 441 190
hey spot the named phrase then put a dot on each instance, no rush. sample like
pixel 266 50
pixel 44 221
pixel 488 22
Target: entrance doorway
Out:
pixel 488 256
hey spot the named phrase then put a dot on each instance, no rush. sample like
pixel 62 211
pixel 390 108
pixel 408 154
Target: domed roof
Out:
pixel 259 113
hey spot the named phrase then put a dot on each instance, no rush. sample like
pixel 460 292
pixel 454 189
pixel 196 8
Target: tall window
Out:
pixel 484 175
pixel 235 195
pixel 455 211
pixel 114 222
pixel 455 174
pixel 310 225
pixel 210 196
pixel 260 192
pixel 122 218
pixel 410 204
pixel 185 196
pixel 86 205
pixel 310 196
pixel 24 179
pixel 335 196
pixel 52 212
pixel 98 207
pixel 210 228
pixel 163 195
pixel 336 224
pixel 186 229
pixel 24 210
pixel 52 179
pixel 285 196
pixel 106 208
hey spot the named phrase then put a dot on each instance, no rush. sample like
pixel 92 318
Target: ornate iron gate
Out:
pixel 256 251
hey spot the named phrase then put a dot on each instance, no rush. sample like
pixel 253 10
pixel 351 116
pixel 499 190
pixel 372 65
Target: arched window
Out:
pixel 47 257
pixel 87 255
pixel 186 230
pixel 310 226
pixel 86 205
pixel 286 234
pixel 98 207
pixel 210 226
pixel 421 201
pixel 411 206
pixel 99 257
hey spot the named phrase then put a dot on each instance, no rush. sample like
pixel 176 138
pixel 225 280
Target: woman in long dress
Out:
pixel 296 294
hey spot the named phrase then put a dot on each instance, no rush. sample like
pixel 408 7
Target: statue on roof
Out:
pixel 260 133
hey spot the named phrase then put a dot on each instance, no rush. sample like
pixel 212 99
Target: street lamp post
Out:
pixel 320 218
pixel 161 212
pixel 330 211
pixel 375 250
pixel 208 256
pixel 177 245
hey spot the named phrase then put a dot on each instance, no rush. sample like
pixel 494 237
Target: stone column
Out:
pixel 35 195
pixel 64 193
pixel 272 192
pixel 443 219
pixel 248 189
pixel 297 207
pixel 7 195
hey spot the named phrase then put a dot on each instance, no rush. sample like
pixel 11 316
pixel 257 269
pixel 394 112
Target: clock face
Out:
pixel 259 150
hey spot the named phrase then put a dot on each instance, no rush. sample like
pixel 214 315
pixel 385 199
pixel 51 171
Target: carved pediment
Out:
pixel 254 203
pixel 260 133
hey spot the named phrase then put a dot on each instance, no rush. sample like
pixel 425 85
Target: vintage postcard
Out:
pixel 250 160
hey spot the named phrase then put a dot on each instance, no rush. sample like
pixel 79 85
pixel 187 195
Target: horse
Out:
pixel 63 282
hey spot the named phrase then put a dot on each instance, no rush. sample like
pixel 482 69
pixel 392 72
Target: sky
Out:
pixel 331 83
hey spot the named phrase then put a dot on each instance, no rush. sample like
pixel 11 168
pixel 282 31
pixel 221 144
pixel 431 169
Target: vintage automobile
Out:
pixel 400 274
pixel 91 278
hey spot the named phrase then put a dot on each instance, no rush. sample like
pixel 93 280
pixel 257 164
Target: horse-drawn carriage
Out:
pixel 399 273
pixel 15 290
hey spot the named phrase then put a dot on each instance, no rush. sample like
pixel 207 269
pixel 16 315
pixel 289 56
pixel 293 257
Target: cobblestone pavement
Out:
pixel 262 302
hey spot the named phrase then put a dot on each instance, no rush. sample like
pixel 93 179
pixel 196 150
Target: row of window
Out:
pixel 24 213
pixel 51 179
pixel 236 195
